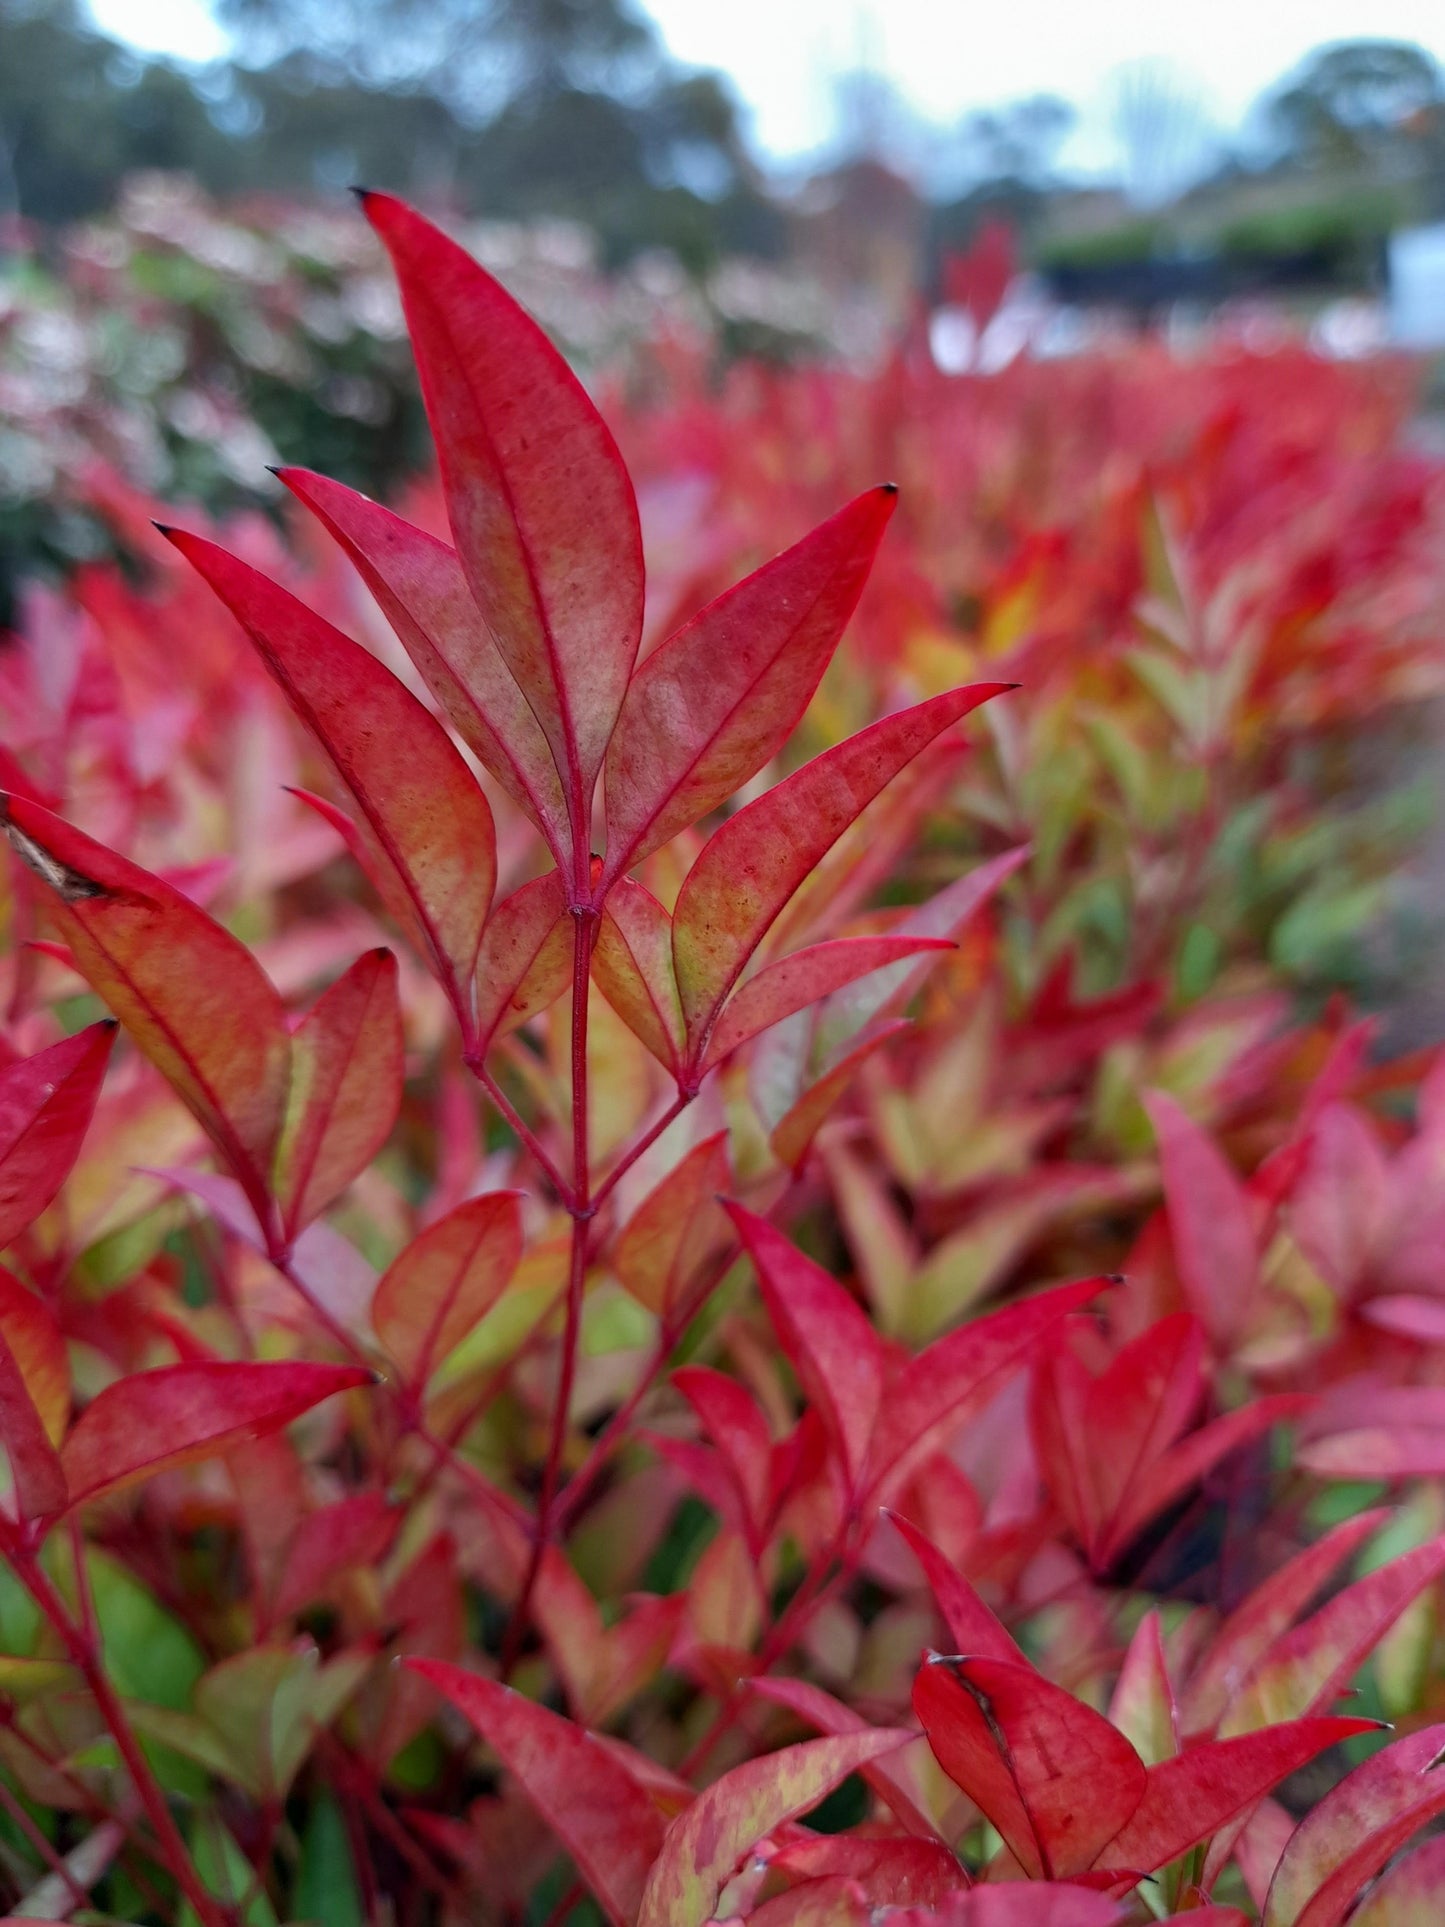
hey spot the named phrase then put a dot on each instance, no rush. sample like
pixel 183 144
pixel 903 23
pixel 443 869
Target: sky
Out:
pixel 947 57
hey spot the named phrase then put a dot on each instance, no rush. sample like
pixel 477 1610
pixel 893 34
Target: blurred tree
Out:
pixel 1351 103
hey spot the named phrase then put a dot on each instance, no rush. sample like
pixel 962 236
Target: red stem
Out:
pixel 645 1143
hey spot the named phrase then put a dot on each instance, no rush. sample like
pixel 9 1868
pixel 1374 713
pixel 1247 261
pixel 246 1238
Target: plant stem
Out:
pixel 645 1143
pixel 525 1134
pixel 84 1650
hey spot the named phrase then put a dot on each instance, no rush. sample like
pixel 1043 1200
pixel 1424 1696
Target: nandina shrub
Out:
pixel 628 1401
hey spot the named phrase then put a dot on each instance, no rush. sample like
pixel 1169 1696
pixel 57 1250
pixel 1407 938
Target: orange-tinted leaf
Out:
pixel 1209 1220
pixel 193 998
pixel 422 591
pixel 932 1393
pixel 346 1073
pixel 526 958
pixel 45 1104
pixel 677 1231
pixel 1346 1839
pixel 446 1281
pixel 705 1844
pixel 38 1346
pixel 828 1339
pixel 40 1488
pixel 541 507
pixel 1193 1795
pixel 1054 1777
pixel 154 1420
pixel 425 822
pixel 794 982
pixel 710 705
pixel 793 1134
pixel 632 967
pixel 750 867
pixel 604 1819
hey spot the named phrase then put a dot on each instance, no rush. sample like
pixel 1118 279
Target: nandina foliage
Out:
pixel 730 1367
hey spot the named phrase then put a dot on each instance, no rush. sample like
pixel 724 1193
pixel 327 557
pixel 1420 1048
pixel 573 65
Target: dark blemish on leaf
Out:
pixel 71 886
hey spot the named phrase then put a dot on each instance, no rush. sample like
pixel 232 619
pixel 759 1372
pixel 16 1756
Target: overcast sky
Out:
pixel 948 56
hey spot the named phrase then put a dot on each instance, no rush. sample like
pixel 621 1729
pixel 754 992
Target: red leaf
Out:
pixel 1054 1777
pixel 38 1346
pixel 1346 1839
pixel 678 1231
pixel 751 865
pixel 192 997
pixel 794 982
pixel 971 1626
pixel 45 1104
pixel 333 1539
pixel 346 1074
pixel 446 1280
pixel 828 1902
pixel 1268 1612
pixel 826 1335
pixel 704 1845
pixel 632 967
pixel 1209 1220
pixel 603 1818
pixel 154 1420
pixel 1191 1796
pixel 733 1420
pixel 713 703
pixel 541 507
pixel 526 959
pixel 932 1393
pixel 40 1488
pixel 425 821
pixel 896 1872
pixel 793 1134
pixel 1408 1894
pixel 421 589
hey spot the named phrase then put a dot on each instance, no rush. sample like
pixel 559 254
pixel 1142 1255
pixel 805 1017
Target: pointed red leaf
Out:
pixel 1143 1704
pixel 541 507
pixel 705 1844
pixel 1209 1220
pixel 750 867
pixel 346 1073
pixel 792 1136
pixel 632 967
pixel 1346 1839
pixel 897 1872
pixel 1193 1795
pixel 421 589
pixel 794 982
pixel 525 961
pixel 425 821
pixel 446 1281
pixel 896 1778
pixel 603 1818
pixel 734 1421
pixel 931 1395
pixel 713 703
pixel 826 1335
pixel 38 1346
pixel 678 1231
pixel 1264 1615
pixel 334 1539
pixel 1054 1777
pixel 971 1626
pixel 193 998
pixel 45 1104
pixel 40 1488
pixel 151 1421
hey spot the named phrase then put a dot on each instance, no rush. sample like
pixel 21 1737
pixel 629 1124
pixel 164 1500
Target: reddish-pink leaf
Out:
pixel 40 1488
pixel 346 1075
pixel 541 507
pixel 896 1872
pixel 705 1845
pixel 679 1231
pixel 1055 1778
pixel 826 1335
pixel 794 982
pixel 971 1626
pixel 151 1421
pixel 1209 1220
pixel 334 1539
pixel 45 1104
pixel 932 1393
pixel 1263 1616
pixel 598 1811
pixel 1030 1903
pixel 38 1346
pixel 632 967
pixel 1314 1663
pixel 793 1134
pixel 713 703
pixel 1409 1893
pixel 895 1778
pixel 446 1280
pixel 526 959
pixel 425 821
pixel 734 1421
pixel 1346 1839
pixel 1191 1796
pixel 193 998
pixel 750 867
pixel 421 589
pixel 1143 1705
